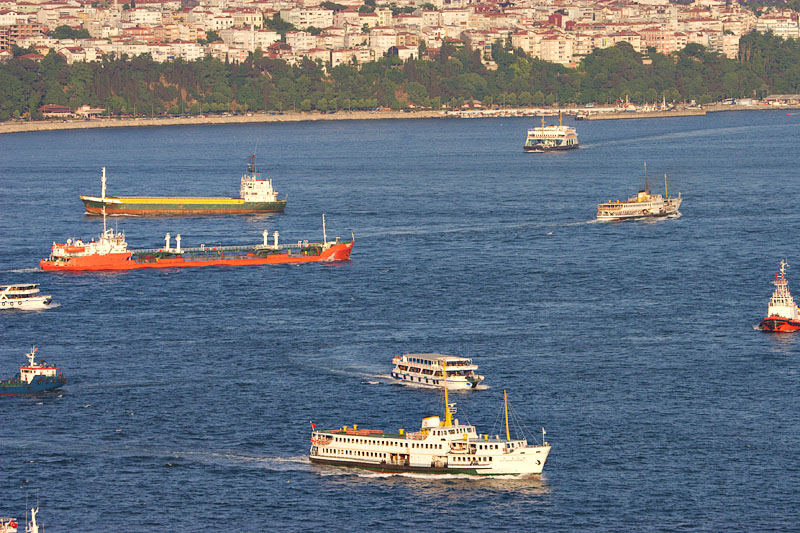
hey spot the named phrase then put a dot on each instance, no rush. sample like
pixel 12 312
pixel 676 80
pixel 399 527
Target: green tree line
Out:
pixel 766 64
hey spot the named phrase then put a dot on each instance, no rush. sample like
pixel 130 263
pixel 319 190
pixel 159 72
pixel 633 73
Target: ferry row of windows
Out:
pixel 419 379
pixel 355 453
pixel 458 459
pixel 438 432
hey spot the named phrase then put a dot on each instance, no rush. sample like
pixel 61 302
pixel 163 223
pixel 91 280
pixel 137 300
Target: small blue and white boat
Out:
pixel 33 378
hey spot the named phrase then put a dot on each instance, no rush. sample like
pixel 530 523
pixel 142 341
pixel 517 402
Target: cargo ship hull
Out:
pixel 212 256
pixel 39 384
pixel 177 206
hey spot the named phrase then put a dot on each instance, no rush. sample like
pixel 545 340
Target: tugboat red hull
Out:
pixel 779 324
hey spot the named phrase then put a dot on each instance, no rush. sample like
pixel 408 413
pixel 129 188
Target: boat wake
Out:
pixel 24 270
pixel 277 464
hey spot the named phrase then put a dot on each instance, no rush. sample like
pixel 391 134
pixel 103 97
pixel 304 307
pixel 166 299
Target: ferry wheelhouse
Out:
pixel 782 312
pixel 427 370
pixel 23 297
pixel 551 138
pixel 643 205
pixel 439 447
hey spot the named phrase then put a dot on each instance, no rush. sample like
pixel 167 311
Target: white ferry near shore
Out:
pixel 551 138
pixel 23 297
pixel 643 205
pixel 428 369
pixel 439 447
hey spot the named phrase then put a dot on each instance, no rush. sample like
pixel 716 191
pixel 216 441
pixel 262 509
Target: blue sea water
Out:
pixel 634 344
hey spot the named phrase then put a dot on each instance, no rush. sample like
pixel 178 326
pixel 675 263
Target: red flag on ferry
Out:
pixel 313 425
pixel 12 524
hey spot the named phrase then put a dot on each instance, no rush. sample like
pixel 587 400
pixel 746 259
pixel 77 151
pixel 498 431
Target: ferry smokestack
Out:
pixel 178 243
pixel 166 241
pixel 275 239
pixel 266 237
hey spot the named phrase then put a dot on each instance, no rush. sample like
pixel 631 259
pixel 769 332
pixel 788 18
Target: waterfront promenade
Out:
pixel 74 124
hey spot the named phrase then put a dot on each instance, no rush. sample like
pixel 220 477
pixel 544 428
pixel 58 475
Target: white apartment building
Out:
pixel 142 17
pixel 303 17
pixel 381 39
pixel 782 26
pixel 300 40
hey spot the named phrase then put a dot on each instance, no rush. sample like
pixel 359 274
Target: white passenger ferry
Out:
pixel 427 369
pixel 643 205
pixel 439 447
pixel 23 297
pixel 551 138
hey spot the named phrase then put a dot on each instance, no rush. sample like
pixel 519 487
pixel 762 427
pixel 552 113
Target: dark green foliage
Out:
pixel 766 64
pixel 66 32
pixel 276 23
pixel 333 6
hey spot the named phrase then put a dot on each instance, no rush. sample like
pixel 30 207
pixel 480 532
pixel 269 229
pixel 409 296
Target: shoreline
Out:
pixel 78 124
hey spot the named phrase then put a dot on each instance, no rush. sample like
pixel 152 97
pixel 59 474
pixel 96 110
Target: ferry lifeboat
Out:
pixel 782 312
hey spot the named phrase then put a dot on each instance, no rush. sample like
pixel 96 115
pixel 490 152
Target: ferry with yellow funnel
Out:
pixel 551 138
pixel 643 205
pixel 439 447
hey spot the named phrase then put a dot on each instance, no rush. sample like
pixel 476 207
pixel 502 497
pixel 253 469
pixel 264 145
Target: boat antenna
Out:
pixel 543 120
pixel 324 234
pixel 666 194
pixel 103 199
pixel 505 403
pixel 646 188
pixel 559 117
pixel 448 417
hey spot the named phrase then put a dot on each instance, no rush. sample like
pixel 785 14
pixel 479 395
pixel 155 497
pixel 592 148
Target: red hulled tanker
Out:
pixel 110 252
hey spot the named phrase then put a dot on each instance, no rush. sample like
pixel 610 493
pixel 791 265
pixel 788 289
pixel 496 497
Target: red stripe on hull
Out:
pixel 779 324
pixel 337 252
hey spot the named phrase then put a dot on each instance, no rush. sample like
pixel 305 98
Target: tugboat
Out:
pixel 782 312
pixel 36 377
pixel 643 205
pixel 110 252
pixel 256 195
pixel 439 447
pixel 551 138
pixel 426 369
pixel 23 297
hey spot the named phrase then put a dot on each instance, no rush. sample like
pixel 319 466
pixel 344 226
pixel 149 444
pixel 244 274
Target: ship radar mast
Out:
pixel 448 413
pixel 646 188
pixel 252 167
pixel 32 356
pixel 103 199
pixel 505 404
